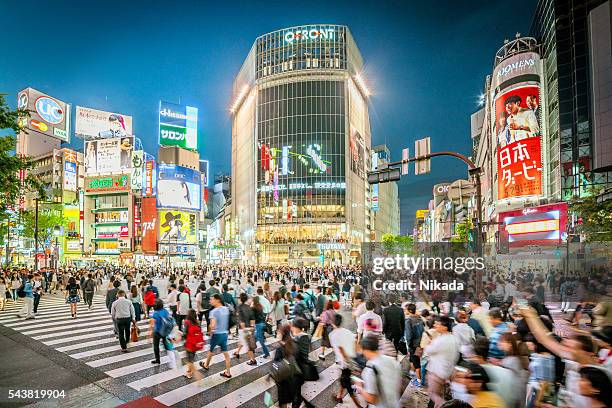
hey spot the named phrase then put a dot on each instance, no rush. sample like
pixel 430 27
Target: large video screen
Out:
pixel 108 155
pixel 178 187
pixel 518 134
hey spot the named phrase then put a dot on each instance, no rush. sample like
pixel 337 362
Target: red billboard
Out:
pixel 148 224
pixel 543 225
pixel 518 135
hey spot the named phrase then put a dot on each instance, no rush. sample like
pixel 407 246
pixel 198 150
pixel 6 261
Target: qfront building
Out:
pixel 301 149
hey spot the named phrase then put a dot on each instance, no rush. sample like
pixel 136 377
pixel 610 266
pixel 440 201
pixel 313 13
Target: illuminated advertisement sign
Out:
pixel 48 115
pixel 114 231
pixel 357 152
pixel 421 213
pixel 97 124
pixel 321 33
pixel 178 187
pixel 518 134
pixel 150 179
pixel 178 125
pixel 108 155
pixel 523 64
pixel 177 227
pixel 543 225
pixel 70 176
pixel 115 183
pixel 204 167
pixel 375 205
pixel 149 224
pixel 137 176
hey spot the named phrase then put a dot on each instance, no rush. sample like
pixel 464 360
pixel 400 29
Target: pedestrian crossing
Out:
pixel 90 339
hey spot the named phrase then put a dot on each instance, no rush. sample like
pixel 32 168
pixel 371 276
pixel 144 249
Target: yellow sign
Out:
pixel 422 213
pixel 177 227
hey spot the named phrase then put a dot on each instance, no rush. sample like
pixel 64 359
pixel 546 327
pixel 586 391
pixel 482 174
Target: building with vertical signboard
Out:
pixel 385 214
pixel 301 148
pixel 179 192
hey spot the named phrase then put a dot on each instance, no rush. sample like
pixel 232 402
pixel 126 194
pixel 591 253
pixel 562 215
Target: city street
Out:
pixel 82 357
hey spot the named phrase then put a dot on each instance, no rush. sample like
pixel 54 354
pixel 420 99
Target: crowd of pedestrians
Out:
pixel 497 349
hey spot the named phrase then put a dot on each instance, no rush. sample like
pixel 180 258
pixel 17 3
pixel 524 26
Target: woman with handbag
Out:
pixel 284 369
pixel 325 327
pixel 136 300
pixel 308 371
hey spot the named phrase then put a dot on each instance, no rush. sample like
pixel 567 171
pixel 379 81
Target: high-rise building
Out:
pixel 301 148
pixel 575 41
pixel 385 200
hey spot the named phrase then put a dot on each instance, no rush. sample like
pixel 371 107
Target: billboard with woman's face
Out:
pixel 518 135
pixel 178 187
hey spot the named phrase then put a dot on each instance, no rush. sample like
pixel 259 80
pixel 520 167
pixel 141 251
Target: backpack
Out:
pixel 416 332
pixel 205 302
pixel 195 338
pixel 309 299
pixel 167 324
pixel 149 297
pixel 21 291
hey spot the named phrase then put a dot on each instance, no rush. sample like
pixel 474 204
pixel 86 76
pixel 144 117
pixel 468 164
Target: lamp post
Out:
pixel 57 230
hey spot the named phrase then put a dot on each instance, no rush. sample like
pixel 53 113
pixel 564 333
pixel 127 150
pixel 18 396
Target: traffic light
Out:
pixel 384 176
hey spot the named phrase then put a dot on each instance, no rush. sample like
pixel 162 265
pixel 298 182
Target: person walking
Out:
pixel 325 327
pixel 393 322
pixel 136 300
pixel 302 340
pixel 15 285
pixel 194 342
pixel 27 311
pixel 123 314
pixel 343 342
pixel 3 291
pixel 160 327
pixel 260 325
pixel 72 295
pixel 151 295
pixel 443 353
pixel 285 387
pixel 182 306
pixel 381 375
pixel 218 330
pixel 37 290
pixel 246 322
pixel 89 287
pixel 279 309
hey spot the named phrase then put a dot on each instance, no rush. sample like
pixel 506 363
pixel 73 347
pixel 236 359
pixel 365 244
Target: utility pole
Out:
pixel 36 236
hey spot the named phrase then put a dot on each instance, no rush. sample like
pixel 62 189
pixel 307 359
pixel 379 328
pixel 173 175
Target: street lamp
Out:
pixel 57 230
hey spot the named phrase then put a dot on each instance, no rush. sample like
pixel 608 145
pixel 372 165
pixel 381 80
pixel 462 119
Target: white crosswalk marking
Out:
pixel 89 338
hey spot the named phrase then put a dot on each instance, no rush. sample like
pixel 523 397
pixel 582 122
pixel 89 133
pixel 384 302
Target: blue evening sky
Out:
pixel 425 62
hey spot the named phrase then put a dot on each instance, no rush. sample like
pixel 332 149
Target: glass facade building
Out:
pixel 300 148
pixel 562 27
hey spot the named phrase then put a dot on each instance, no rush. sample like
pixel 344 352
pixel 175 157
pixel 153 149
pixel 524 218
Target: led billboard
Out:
pixel 48 115
pixel 543 225
pixel 70 176
pixel 518 135
pixel 177 227
pixel 97 124
pixel 150 178
pixel 149 224
pixel 109 155
pixel 178 125
pixel 178 187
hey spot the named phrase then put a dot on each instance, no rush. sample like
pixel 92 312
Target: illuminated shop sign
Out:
pixel 526 63
pixel 304 186
pixel 115 183
pixel 327 246
pixel 542 225
pixel 312 34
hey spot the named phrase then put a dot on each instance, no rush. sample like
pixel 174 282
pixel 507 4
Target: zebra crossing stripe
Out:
pixel 187 391
pixel 75 338
pixel 32 324
pixel 171 374
pixel 74 325
pixel 92 343
pixel 252 390
pixel 115 347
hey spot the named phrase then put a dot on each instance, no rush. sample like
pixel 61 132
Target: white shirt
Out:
pixel 359 310
pixel 465 337
pixel 443 352
pixel 172 297
pixel 344 338
pixel 368 315
pixel 183 305
pixel 389 379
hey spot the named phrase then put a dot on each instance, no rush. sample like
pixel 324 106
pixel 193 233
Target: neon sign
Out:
pixel 533 227
pixel 313 34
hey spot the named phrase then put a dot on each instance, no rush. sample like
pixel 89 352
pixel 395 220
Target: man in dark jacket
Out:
pixel 111 296
pixel 393 321
pixel 307 369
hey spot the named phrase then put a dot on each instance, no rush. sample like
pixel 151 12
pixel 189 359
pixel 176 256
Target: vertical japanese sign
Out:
pixel 518 134
pixel 149 224
pixel 137 176
pixel 150 178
